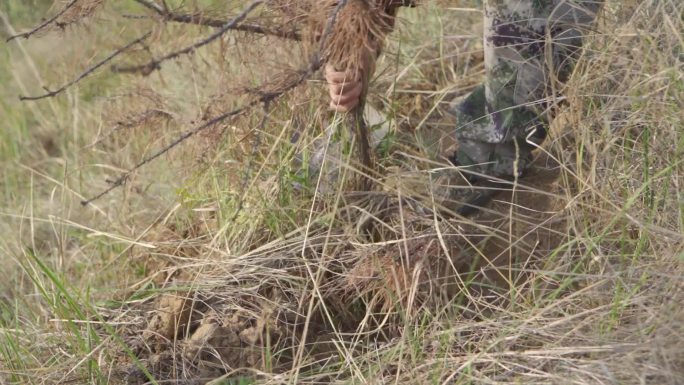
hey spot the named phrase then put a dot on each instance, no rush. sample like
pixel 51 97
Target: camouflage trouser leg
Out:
pixel 529 48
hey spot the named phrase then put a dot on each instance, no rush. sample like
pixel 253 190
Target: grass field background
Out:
pixel 221 263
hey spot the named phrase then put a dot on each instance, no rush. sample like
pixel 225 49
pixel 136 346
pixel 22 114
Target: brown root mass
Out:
pixel 361 27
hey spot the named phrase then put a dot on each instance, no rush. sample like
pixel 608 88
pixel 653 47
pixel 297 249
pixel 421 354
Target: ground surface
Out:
pixel 222 263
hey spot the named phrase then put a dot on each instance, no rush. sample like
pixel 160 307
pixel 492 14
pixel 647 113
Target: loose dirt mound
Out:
pixel 170 319
pixel 195 340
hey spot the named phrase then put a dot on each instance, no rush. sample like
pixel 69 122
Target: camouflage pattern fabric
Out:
pixel 530 46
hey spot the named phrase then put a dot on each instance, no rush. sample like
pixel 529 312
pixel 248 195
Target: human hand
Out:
pixel 345 88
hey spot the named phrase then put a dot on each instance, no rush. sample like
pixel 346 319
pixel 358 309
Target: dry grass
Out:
pixel 210 266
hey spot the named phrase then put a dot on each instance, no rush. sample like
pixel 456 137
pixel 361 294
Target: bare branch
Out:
pixel 154 65
pixel 266 98
pixel 43 25
pixel 89 71
pixel 199 19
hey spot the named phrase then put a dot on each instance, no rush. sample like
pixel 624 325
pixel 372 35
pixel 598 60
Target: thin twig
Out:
pixel 87 72
pixel 199 19
pixel 43 25
pixel 153 65
pixel 133 122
